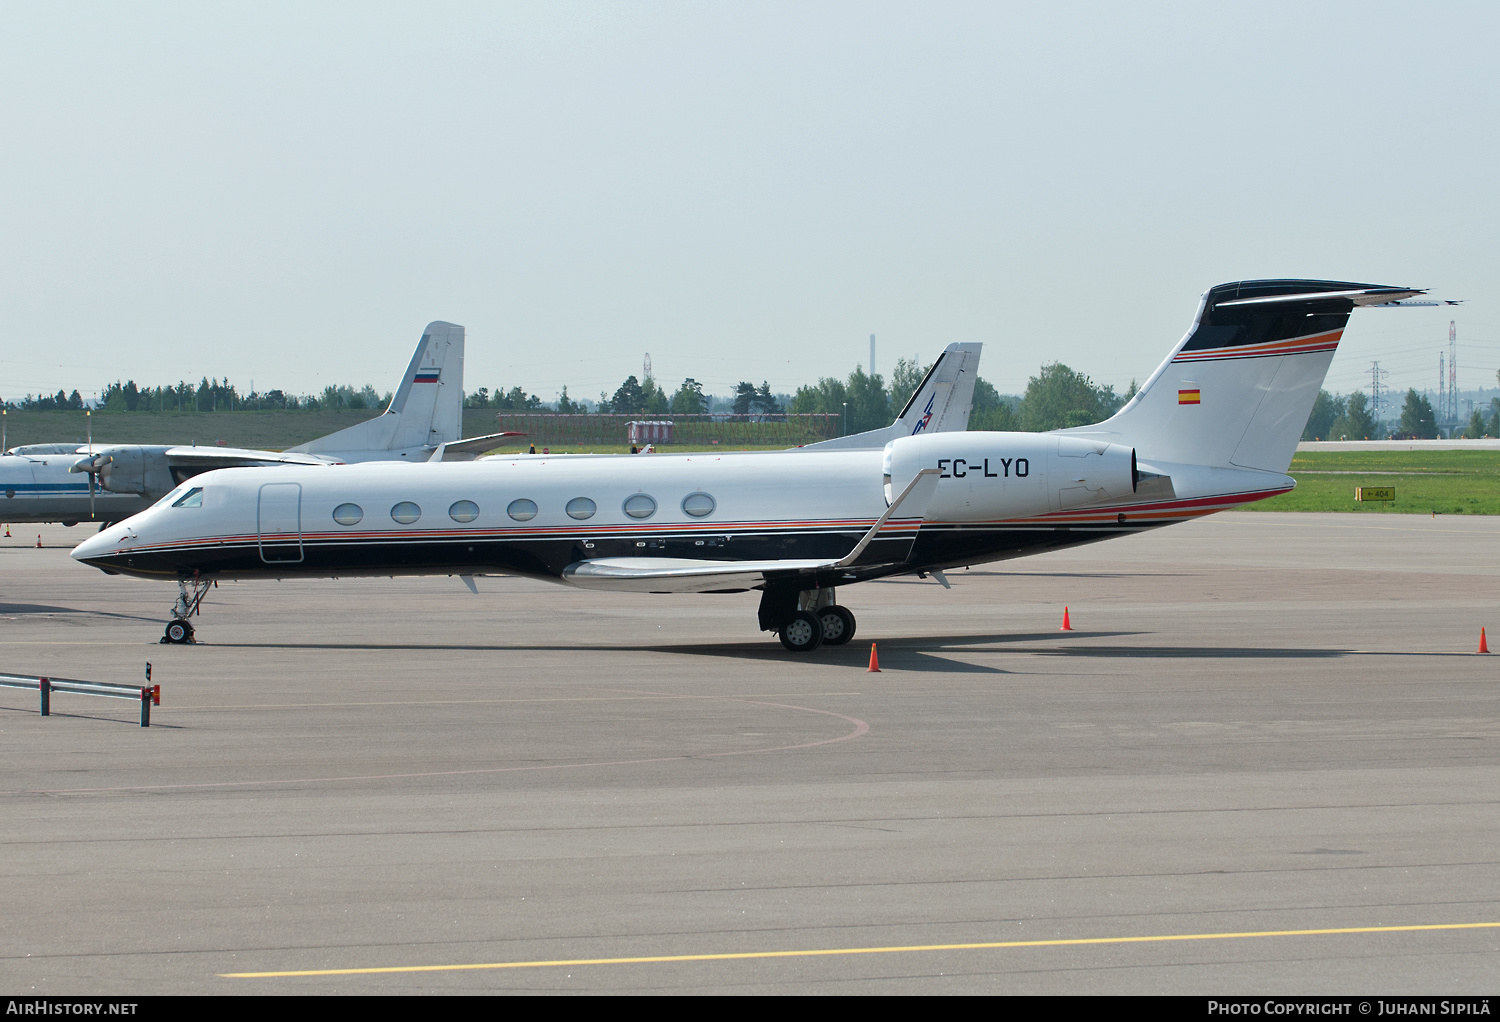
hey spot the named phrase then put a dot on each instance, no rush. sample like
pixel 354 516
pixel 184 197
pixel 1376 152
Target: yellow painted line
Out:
pixel 821 952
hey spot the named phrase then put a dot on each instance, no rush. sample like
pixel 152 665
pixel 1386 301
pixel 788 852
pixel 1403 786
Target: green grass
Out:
pixel 1426 482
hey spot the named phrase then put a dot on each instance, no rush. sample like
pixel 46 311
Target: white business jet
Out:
pixel 1215 426
pixel 52 483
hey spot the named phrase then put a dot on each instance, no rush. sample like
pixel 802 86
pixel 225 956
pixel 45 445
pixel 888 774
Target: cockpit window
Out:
pixel 171 497
pixel 192 498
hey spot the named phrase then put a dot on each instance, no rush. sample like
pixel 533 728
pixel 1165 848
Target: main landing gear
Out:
pixel 806 620
pixel 189 598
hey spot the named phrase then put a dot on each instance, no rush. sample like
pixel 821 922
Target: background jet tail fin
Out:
pixel 426 410
pixel 1237 391
pixel 940 404
pixel 943 400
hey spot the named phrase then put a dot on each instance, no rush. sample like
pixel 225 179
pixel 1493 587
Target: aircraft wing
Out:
pixel 694 575
pixel 472 447
pixel 201 459
pixel 680 574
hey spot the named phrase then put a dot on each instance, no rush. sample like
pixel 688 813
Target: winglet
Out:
pixel 919 491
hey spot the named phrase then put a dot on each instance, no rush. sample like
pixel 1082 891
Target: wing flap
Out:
pixel 679 574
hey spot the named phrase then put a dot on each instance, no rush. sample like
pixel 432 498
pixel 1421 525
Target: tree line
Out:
pixel 1350 417
pixel 207 396
pixel 1056 397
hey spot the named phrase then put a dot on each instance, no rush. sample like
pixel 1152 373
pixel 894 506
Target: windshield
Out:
pixel 171 498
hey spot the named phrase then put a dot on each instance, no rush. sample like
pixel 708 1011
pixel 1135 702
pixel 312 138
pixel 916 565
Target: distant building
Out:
pixel 655 432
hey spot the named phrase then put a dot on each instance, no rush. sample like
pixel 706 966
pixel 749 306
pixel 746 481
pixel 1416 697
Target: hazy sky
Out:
pixel 288 193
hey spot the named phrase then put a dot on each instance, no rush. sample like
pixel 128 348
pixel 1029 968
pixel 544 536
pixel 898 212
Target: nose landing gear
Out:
pixel 190 593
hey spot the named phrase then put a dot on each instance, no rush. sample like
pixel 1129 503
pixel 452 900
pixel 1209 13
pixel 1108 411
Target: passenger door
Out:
pixel 280 522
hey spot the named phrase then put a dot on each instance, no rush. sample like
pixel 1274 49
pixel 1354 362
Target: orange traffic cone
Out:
pixel 874 661
pixel 1484 647
pixel 1067 626
pixel 39 541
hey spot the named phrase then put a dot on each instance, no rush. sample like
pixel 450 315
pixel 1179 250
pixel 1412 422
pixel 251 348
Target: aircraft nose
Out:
pixel 99 545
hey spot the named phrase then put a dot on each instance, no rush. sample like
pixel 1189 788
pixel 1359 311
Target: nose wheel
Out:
pixel 190 593
pixel 178 632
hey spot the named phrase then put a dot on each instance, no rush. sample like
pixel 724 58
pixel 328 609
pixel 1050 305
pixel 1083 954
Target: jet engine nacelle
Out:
pixel 988 476
pixel 130 469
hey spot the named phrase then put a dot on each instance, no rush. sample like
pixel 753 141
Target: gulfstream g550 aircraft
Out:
pixel 1214 427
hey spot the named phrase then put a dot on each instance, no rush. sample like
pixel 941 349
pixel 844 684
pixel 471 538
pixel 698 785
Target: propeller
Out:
pixel 93 465
pixel 88 417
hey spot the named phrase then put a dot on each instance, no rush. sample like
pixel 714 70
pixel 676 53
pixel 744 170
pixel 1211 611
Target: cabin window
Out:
pixel 581 508
pixel 640 506
pixel 463 511
pixel 699 505
pixel 348 514
pixel 406 512
pixel 192 498
pixel 522 510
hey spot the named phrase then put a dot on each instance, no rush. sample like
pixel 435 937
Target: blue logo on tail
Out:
pixel 926 416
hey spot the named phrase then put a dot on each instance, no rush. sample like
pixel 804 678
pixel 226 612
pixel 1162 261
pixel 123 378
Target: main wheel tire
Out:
pixel 838 625
pixel 179 632
pixel 803 633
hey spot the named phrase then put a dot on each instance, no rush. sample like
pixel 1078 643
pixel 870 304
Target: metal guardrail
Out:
pixel 147 695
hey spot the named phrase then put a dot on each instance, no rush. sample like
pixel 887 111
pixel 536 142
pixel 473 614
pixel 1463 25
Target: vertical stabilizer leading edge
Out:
pixel 1237 391
pixel 941 403
pixel 426 412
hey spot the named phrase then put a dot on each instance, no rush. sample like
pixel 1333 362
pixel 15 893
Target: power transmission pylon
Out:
pixel 1451 412
pixel 1376 375
pixel 1442 401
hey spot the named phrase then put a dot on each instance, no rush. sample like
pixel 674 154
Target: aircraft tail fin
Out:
pixel 940 404
pixel 1236 392
pixel 427 409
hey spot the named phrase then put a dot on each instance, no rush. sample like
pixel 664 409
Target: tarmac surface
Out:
pixel 1262 725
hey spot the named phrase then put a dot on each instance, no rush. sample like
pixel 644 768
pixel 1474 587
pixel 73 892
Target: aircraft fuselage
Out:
pixel 998 495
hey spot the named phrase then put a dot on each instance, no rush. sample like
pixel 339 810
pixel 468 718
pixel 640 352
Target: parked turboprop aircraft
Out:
pixel 1215 426
pixel 51 483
